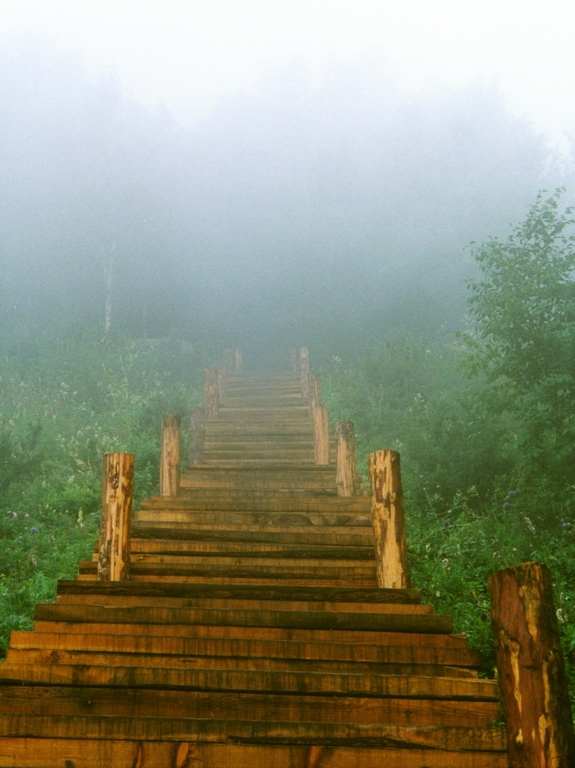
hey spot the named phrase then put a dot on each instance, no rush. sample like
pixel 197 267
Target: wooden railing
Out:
pixel 529 655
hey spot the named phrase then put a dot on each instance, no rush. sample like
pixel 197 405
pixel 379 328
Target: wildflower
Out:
pixel 529 524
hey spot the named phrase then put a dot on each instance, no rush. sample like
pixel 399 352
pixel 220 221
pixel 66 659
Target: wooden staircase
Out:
pixel 252 631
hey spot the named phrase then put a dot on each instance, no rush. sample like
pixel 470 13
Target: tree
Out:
pixel 523 336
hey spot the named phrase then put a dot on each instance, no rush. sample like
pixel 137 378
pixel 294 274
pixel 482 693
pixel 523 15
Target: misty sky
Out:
pixel 270 174
pixel 186 55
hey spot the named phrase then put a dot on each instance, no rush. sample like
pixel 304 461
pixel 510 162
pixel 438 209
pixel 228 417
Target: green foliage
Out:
pixel 63 407
pixel 411 396
pixel 523 336
pixel 486 429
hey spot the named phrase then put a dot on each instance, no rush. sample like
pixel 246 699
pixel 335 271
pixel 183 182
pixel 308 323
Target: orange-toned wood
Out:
pixel 248 706
pixel 531 668
pixel 102 753
pixel 117 492
pixel 304 370
pixel 197 435
pixel 321 429
pixel 346 473
pixel 211 392
pixel 170 456
pixel 388 519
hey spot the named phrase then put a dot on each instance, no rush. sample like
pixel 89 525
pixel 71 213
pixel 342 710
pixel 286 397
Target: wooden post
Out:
pixel 222 381
pixel 388 520
pixel 345 475
pixel 531 668
pixel 197 435
pixel 321 434
pixel 238 360
pixel 211 392
pixel 313 392
pixel 293 360
pixel 304 370
pixel 170 458
pixel 117 491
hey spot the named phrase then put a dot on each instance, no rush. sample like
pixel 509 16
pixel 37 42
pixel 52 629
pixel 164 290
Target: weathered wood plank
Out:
pixel 433 623
pixel 272 592
pixel 275 535
pixel 270 681
pixel 255 732
pixel 86 658
pixel 257 633
pixel 86 753
pixel 251 605
pixel 253 647
pixel 245 706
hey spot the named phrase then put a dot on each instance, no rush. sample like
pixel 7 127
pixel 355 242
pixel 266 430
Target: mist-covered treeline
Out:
pixel 331 213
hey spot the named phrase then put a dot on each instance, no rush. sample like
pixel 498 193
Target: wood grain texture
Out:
pixel 388 519
pixel 170 455
pixel 531 668
pixel 117 491
pixel 346 472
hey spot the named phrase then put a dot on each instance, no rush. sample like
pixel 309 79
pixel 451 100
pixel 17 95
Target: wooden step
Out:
pixel 186 530
pixel 289 619
pixel 449 738
pixel 440 640
pixel 103 753
pixel 268 681
pixel 263 501
pixel 251 706
pixel 256 649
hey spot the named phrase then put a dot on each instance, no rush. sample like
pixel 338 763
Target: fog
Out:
pixel 331 214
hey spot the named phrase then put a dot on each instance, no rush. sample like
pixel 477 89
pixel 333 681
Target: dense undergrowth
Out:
pixel 469 509
pixel 65 404
pixel 484 422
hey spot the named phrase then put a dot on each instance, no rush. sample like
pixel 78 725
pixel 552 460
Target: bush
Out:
pixel 62 409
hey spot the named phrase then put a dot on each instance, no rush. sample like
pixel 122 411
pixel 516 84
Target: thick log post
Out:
pixel 117 491
pixel 211 392
pixel 238 360
pixel 321 434
pixel 345 475
pixel 293 360
pixel 197 435
pixel 170 457
pixel 388 520
pixel 531 668
pixel 304 370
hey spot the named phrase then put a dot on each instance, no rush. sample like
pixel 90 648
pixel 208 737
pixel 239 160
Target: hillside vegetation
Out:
pixel 485 423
